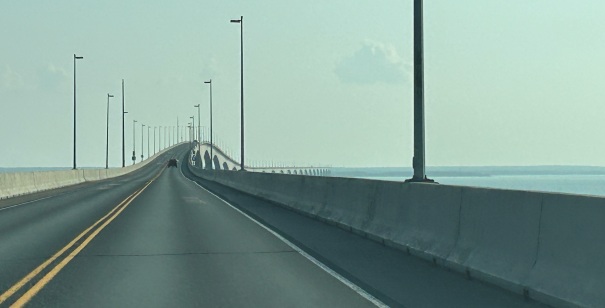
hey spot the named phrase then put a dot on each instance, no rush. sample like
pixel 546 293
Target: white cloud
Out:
pixel 373 63
pixel 53 77
pixel 10 80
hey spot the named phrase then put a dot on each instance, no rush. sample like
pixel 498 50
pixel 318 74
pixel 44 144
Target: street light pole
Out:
pixel 134 156
pixel 193 126
pixel 75 58
pixel 211 144
pixel 418 161
pixel 107 135
pixel 148 127
pixel 142 140
pixel 241 22
pixel 123 115
pixel 199 135
pixel 154 128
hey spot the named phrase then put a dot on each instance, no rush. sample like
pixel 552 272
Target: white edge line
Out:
pixel 27 202
pixel 324 267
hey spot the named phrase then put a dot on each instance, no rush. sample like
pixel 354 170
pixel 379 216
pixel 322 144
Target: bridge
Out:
pixel 222 161
pixel 152 235
pixel 215 232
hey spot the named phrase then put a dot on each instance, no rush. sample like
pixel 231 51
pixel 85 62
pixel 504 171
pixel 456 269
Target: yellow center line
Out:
pixel 49 276
pixel 42 266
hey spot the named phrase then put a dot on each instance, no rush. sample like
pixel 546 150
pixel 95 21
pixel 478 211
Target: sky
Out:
pixel 326 82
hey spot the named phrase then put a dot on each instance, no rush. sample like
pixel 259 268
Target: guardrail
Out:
pixel 545 246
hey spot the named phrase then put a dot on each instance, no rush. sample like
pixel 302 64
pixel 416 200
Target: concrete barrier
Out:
pixel 545 246
pixel 16 184
pixel 498 237
pixel 571 254
pixel 21 183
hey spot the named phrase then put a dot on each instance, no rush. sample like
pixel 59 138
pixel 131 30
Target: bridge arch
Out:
pixel 225 166
pixel 207 161
pixel 217 163
pixel 289 172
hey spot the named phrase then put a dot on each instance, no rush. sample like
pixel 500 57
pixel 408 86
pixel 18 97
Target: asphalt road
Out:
pixel 155 238
pixel 172 244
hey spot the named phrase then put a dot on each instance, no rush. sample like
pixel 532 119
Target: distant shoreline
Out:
pixel 484 171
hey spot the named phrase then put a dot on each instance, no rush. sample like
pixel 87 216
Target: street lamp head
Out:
pixel 76 57
pixel 197 106
pixel 109 95
pixel 125 112
pixel 208 81
pixel 237 21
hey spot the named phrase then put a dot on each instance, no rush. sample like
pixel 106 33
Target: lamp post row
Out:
pixel 74 167
pixel 240 21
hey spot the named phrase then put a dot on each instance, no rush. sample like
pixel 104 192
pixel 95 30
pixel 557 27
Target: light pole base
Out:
pixel 420 180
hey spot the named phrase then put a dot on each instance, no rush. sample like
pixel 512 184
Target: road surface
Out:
pixel 155 238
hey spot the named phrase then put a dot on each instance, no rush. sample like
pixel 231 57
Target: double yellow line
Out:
pixel 87 235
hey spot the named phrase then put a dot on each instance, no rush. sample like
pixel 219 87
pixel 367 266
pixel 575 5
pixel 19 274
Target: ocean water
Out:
pixel 569 183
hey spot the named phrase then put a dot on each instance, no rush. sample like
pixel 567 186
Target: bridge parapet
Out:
pixel 22 183
pixel 545 246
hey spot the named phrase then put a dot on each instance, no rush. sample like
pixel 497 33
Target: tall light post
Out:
pixel 142 140
pixel 148 127
pixel 154 128
pixel 160 138
pixel 199 135
pixel 418 161
pixel 123 115
pixel 189 127
pixel 211 144
pixel 134 156
pixel 241 22
pixel 107 134
pixel 193 126
pixel 75 58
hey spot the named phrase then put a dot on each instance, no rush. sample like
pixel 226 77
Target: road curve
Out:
pixel 152 239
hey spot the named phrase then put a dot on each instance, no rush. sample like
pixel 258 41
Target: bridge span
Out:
pixel 187 236
pixel 211 157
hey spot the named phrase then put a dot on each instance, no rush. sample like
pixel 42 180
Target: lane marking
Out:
pixel 42 266
pixel 52 273
pixel 357 289
pixel 27 202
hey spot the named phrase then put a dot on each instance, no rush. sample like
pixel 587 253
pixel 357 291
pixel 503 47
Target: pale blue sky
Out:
pixel 507 82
